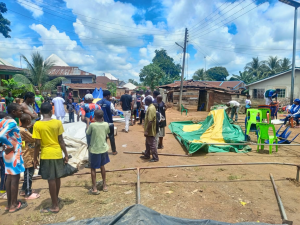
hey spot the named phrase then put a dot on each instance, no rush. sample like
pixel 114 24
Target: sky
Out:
pixel 120 37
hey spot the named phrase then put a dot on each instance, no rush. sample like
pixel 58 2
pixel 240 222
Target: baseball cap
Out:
pixel 88 97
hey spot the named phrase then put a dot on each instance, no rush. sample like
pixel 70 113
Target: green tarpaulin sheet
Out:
pixel 216 128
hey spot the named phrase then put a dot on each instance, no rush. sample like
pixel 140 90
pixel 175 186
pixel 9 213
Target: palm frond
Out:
pixel 23 80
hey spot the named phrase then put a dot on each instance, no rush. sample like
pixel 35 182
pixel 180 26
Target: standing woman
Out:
pixel 162 109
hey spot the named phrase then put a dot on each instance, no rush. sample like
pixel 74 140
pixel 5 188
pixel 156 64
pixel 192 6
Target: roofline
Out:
pixel 238 83
pixel 276 75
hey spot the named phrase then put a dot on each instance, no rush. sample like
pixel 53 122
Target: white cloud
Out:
pixel 31 5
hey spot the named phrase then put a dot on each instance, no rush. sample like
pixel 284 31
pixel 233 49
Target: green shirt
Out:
pixel 151 116
pixel 98 132
pixel 9 100
pixel 39 99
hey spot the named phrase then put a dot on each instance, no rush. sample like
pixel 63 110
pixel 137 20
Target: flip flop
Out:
pixel 21 205
pixel 22 193
pixel 91 192
pixel 33 196
pixel 48 210
pixel 105 189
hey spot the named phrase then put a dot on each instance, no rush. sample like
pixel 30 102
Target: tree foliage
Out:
pixel 151 75
pixel 4 23
pixel 37 74
pixel 217 73
pixel 244 76
pixel 201 75
pixel 112 87
pixel 12 86
pixel 133 82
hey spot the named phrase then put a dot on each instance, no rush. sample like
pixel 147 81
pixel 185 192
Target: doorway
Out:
pixel 202 100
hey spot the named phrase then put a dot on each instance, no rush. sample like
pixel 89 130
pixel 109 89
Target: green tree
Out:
pixel 37 74
pixel 285 64
pixel 244 76
pixel 12 86
pixel 255 67
pixel 167 65
pixel 273 65
pixel 112 87
pixel 151 74
pixel 4 23
pixel 200 75
pixel 217 73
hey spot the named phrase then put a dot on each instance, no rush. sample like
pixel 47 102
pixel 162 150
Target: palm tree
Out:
pixel 255 66
pixel 38 74
pixel 245 76
pixel 273 65
pixel 285 64
pixel 200 75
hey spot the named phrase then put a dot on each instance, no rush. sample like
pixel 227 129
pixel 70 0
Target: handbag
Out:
pixel 69 170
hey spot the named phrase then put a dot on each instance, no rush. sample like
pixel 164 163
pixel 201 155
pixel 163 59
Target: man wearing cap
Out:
pixel 87 114
pixel 150 131
pixel 59 107
pixel 270 94
pixel 109 110
pixel 294 112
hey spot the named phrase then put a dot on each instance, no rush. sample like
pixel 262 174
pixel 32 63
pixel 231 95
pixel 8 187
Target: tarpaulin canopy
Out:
pixel 97 93
pixel 100 93
pixel 216 128
pixel 139 214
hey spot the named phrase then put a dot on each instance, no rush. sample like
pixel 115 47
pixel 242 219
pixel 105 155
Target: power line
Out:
pixel 205 54
pixel 220 17
pixel 230 20
pixel 31 3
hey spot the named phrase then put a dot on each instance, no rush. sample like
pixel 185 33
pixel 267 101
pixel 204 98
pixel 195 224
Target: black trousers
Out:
pixel 142 116
pixel 71 117
pixel 28 174
pixel 111 136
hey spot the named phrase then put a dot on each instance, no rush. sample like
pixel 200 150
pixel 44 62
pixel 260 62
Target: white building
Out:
pixel 280 81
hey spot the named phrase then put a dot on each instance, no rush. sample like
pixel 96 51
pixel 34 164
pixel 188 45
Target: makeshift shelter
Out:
pixel 216 128
pixel 139 214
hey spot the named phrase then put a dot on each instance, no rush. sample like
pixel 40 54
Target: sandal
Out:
pixel 20 206
pixel 105 189
pixel 91 192
pixel 48 210
pixel 33 196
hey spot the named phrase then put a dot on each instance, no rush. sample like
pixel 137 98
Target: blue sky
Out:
pixel 120 37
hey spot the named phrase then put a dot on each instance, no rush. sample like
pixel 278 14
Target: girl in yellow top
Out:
pixel 49 140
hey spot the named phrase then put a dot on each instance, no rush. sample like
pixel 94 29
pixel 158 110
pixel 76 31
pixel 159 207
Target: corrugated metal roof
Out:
pixel 87 86
pixel 102 79
pixel 68 71
pixel 4 62
pixel 10 68
pixel 56 60
pixel 224 84
pixel 130 86
pixel 109 76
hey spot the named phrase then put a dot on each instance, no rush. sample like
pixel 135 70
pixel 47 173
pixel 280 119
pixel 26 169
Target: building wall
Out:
pixel 120 92
pixel 215 98
pixel 282 82
pixel 85 80
pixel 189 99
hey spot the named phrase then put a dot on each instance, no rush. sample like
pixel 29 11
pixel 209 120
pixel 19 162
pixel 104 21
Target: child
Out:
pixel 2 166
pixel 98 149
pixel 28 153
pixel 12 156
pixel 70 109
pixel 49 140
pixel 77 109
pixel 248 102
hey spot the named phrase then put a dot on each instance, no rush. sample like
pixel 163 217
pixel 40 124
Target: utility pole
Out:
pixel 205 66
pixel 183 63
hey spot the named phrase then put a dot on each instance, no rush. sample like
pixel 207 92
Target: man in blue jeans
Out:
pixel 109 110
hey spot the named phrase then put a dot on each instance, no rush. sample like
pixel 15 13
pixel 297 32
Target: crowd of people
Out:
pixel 32 139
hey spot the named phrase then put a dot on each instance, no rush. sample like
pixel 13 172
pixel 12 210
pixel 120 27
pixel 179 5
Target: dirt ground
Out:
pixel 225 193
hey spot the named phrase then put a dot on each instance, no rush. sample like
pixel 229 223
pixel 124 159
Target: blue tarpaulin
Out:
pixel 100 93
pixel 95 93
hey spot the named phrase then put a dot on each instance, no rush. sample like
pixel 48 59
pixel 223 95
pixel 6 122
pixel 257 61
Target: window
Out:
pixel 281 94
pixel 258 93
pixel 75 94
pixel 76 81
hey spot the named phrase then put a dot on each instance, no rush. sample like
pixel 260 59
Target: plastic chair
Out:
pixel 252 118
pixel 263 135
pixel 184 109
pixel 265 114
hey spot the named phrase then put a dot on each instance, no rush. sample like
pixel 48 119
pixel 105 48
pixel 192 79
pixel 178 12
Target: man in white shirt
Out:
pixel 234 107
pixel 147 93
pixel 59 107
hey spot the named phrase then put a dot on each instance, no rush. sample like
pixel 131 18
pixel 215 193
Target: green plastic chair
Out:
pixel 264 114
pixel 263 135
pixel 184 109
pixel 252 114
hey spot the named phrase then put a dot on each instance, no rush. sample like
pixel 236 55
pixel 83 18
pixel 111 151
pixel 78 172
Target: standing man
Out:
pixel 59 108
pixel 162 110
pixel 270 94
pixel 141 107
pixel 234 107
pixel 29 99
pixel 126 104
pixel 150 131
pixel 9 99
pixel 38 98
pixel 134 103
pixel 155 94
pixel 109 110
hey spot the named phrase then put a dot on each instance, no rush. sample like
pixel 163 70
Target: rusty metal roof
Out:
pixel 87 86
pixel 10 68
pixel 102 79
pixel 68 71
